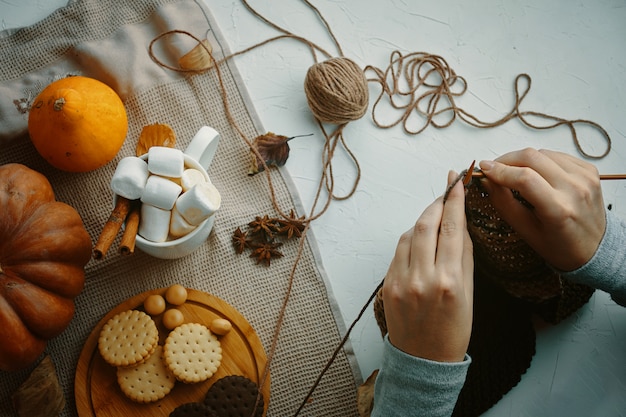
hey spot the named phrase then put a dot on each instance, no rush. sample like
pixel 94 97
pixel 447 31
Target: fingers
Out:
pixel 402 256
pixel 528 172
pixel 425 235
pixel 415 252
pixel 436 237
pixel 538 161
pixel 452 227
pixel 510 209
pixel 438 241
pixel 555 167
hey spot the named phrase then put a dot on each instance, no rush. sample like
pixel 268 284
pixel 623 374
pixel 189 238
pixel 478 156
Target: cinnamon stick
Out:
pixel 111 227
pixel 127 244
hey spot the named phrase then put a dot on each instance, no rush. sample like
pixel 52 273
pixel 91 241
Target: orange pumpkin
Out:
pixel 44 248
pixel 78 124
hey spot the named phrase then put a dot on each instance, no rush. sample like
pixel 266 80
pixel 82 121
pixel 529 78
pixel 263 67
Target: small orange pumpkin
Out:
pixel 44 248
pixel 78 124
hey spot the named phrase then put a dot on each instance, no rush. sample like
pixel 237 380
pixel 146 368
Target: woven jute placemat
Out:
pixel 108 40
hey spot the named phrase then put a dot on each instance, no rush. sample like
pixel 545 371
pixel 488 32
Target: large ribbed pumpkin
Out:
pixel 44 248
pixel 77 124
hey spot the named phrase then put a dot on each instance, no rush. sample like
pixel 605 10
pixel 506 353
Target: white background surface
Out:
pixel 573 50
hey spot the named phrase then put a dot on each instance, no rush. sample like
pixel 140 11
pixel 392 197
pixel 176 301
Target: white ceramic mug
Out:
pixel 199 155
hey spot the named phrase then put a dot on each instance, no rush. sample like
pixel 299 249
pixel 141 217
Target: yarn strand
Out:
pixel 402 82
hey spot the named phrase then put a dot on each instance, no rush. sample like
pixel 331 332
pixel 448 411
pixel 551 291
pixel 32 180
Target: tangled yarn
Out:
pixel 336 91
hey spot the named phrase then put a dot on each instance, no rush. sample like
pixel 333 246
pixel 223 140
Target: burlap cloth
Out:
pixel 108 40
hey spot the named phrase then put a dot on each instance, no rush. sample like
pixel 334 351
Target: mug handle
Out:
pixel 203 146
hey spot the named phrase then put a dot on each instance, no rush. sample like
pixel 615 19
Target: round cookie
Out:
pixel 128 338
pixel 192 353
pixel 147 382
pixel 234 396
pixel 192 410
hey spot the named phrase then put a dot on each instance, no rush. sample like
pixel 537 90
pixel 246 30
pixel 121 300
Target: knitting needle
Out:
pixel 469 174
pixel 480 174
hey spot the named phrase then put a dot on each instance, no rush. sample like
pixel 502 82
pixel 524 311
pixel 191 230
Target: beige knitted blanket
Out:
pixel 108 40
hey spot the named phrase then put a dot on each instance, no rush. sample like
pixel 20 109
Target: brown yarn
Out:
pixel 336 91
pixel 423 88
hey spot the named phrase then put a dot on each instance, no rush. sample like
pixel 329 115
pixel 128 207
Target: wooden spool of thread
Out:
pixel 336 91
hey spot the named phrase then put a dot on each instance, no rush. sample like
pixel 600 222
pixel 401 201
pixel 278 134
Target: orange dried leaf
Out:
pixel 155 135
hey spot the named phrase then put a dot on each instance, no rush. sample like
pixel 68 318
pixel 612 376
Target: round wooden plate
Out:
pixel 98 394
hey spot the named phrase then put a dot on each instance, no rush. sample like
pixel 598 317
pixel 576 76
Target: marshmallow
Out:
pixel 200 202
pixel 160 192
pixel 178 225
pixel 154 223
pixel 190 178
pixel 130 177
pixel 167 162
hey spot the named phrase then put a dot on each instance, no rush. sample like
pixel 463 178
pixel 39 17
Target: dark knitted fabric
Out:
pixel 502 256
pixel 501 346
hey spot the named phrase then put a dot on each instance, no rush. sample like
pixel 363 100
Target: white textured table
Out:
pixel 574 52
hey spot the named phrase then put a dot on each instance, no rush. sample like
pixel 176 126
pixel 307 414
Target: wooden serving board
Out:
pixel 98 394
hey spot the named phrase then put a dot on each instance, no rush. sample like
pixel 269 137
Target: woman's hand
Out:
pixel 568 220
pixel 428 290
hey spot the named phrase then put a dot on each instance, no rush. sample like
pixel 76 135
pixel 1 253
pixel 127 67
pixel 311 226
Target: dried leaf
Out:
pixel 155 135
pixel 365 395
pixel 198 59
pixel 41 394
pixel 273 148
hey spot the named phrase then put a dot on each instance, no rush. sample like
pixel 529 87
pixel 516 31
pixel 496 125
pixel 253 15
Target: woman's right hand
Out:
pixel 568 220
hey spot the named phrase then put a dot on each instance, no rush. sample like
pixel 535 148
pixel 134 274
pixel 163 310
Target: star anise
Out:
pixel 240 240
pixel 265 251
pixel 292 226
pixel 265 225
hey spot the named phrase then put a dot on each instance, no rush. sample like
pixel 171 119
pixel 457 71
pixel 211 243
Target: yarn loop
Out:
pixel 336 91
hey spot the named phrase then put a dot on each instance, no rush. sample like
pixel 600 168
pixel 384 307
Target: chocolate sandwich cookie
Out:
pixel 234 396
pixel 192 410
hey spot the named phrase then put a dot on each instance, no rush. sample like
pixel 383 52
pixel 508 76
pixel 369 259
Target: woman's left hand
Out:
pixel 428 290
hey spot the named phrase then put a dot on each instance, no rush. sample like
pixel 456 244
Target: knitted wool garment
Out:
pixel 502 346
pixel 502 256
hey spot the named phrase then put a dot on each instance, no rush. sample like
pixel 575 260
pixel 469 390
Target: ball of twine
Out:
pixel 336 91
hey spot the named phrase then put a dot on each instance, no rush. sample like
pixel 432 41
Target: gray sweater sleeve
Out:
pixel 606 270
pixel 411 386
